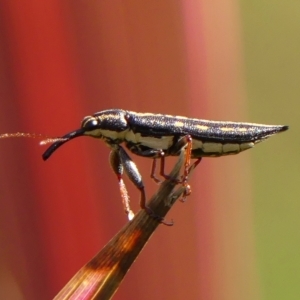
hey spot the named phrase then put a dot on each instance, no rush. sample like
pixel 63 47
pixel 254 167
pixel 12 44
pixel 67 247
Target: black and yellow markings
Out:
pixel 159 135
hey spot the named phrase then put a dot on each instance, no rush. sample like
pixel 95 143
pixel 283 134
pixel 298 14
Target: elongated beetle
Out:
pixel 157 136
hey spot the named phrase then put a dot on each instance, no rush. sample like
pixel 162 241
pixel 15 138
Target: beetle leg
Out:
pixel 185 141
pixel 162 166
pixel 115 162
pixel 140 150
pixel 188 189
pixel 188 167
pixel 174 150
pixel 154 153
pixel 134 175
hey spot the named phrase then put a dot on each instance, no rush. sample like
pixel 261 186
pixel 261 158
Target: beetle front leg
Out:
pixel 115 162
pixel 133 173
pixel 135 176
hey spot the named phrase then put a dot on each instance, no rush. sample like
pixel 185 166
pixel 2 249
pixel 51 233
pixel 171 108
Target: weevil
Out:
pixel 157 136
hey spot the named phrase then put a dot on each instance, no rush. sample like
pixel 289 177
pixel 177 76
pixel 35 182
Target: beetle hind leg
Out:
pixel 187 171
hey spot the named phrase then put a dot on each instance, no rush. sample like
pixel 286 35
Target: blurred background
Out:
pixel 237 236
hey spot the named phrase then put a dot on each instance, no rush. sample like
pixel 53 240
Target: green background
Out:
pixel 272 57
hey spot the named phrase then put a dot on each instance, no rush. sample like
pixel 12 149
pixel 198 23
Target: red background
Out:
pixel 63 60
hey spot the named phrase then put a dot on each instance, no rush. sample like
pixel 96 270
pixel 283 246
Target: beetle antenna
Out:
pixel 46 139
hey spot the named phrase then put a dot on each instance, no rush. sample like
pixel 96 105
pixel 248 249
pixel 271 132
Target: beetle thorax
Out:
pixel 109 125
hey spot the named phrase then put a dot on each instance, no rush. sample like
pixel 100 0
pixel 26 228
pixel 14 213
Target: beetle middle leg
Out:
pixel 179 144
pixel 151 153
pixel 174 150
pixel 185 141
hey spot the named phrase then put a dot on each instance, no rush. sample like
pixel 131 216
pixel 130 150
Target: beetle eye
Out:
pixel 89 123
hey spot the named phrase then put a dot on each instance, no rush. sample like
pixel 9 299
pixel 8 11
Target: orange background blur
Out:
pixel 63 60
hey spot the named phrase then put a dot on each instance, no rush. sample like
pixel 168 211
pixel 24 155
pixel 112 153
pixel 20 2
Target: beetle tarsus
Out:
pixel 156 217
